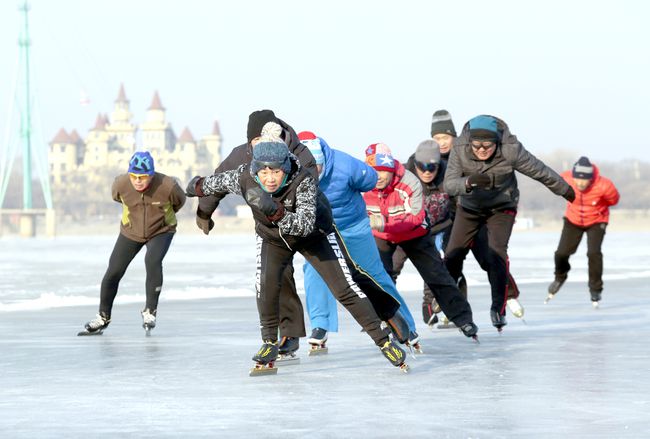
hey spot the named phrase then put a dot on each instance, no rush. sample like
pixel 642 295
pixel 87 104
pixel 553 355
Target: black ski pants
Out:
pixel 123 253
pixel 467 225
pixel 425 257
pixel 292 315
pixel 328 256
pixel 569 242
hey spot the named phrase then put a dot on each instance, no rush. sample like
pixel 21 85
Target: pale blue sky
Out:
pixel 563 74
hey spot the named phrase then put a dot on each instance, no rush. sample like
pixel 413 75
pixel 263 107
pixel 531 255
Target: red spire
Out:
pixel 61 137
pixel 186 136
pixel 100 122
pixel 121 96
pixel 216 131
pixel 155 103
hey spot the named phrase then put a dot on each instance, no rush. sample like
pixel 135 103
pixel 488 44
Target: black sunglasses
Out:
pixel 426 167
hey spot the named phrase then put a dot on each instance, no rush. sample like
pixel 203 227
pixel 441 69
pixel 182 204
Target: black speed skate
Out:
pixel 265 359
pixel 97 325
pixel 287 351
pixel 554 287
pixel 317 342
pixel 395 355
pixel 498 320
pixel 470 330
pixel 428 314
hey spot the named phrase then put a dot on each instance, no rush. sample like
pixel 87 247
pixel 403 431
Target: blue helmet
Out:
pixel 141 163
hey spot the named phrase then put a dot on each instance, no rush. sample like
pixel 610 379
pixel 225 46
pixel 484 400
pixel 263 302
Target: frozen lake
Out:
pixel 571 371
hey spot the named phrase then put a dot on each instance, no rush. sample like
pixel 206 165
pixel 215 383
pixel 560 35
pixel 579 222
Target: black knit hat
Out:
pixel 256 122
pixel 583 169
pixel 441 123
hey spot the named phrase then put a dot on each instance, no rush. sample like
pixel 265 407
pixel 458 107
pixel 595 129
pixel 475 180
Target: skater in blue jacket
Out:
pixel 342 179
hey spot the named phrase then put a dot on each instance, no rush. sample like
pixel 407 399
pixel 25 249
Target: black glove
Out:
pixel 194 187
pixel 482 181
pixel 256 197
pixel 204 221
pixel 570 195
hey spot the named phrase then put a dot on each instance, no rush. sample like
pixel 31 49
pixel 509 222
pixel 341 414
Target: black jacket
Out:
pixel 307 211
pixel 243 154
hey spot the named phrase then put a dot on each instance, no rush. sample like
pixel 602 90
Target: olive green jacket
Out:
pixel 149 213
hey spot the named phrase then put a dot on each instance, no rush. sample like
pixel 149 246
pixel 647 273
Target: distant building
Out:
pixel 112 141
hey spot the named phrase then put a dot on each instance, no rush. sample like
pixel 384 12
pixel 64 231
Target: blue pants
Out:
pixel 321 305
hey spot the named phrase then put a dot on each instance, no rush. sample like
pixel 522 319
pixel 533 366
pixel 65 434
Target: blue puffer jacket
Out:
pixel 341 181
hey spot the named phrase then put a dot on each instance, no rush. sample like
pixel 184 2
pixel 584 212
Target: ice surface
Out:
pixel 571 371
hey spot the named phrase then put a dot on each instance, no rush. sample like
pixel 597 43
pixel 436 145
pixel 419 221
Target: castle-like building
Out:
pixel 112 141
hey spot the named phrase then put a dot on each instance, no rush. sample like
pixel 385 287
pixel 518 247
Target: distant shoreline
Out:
pixel 620 220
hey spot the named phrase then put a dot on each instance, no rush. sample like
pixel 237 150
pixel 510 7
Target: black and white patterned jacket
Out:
pixel 307 210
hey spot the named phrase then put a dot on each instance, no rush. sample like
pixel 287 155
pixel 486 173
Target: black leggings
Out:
pixel 499 228
pixel 425 257
pixel 327 254
pixel 123 253
pixel 569 241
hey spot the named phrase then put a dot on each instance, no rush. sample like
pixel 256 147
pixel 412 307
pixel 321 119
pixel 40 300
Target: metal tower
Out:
pixel 34 153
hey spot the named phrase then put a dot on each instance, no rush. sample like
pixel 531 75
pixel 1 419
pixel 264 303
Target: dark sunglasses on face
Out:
pixel 426 167
pixel 482 145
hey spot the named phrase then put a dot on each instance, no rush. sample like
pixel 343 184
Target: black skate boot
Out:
pixel 554 287
pixel 265 359
pixel 395 355
pixel 97 325
pixel 148 320
pixel 595 298
pixel 287 350
pixel 429 317
pixel 498 320
pixel 470 330
pixel 317 342
pixel 399 327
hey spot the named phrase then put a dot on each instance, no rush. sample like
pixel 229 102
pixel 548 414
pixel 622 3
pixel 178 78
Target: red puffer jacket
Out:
pixel 401 206
pixel 591 206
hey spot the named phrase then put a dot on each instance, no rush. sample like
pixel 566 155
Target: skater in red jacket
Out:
pixel 588 213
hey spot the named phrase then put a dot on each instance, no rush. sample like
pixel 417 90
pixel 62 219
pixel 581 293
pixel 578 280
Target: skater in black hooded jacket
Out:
pixel 292 320
pixel 292 215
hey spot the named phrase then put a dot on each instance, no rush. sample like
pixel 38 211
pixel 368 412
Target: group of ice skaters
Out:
pixel 356 222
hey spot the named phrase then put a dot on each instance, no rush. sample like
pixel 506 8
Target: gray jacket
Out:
pixel 510 156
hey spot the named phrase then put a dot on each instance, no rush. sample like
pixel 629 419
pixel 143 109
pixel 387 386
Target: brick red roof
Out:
pixel 61 137
pixel 186 136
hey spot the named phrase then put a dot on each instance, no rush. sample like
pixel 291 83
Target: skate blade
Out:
pixel 262 369
pixel 287 360
pixel 595 305
pixel 548 298
pixel 447 326
pixel 87 333
pixel 147 332
pixel 317 350
pixel 417 348
pixel 404 368
pixel 475 338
